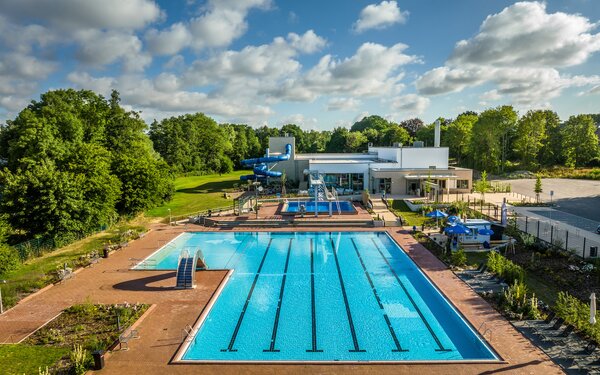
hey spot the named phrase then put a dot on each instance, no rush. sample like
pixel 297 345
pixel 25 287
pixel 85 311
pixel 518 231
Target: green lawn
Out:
pixel 410 218
pixel 28 359
pixel 198 193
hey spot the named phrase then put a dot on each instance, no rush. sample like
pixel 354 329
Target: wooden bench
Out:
pixel 126 336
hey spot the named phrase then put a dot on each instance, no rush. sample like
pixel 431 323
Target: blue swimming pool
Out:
pixel 322 207
pixel 340 296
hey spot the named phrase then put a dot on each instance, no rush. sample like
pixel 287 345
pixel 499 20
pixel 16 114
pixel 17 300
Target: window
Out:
pixel 462 184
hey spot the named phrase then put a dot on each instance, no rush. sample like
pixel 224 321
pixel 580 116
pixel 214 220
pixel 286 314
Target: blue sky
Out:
pixel 318 64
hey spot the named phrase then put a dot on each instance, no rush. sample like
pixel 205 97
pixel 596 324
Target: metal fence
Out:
pixel 38 246
pixel 577 241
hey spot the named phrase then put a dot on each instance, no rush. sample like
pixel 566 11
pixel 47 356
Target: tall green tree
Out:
pixel 579 141
pixel 551 150
pixel 412 126
pixel 491 138
pixel 458 136
pixel 531 134
pixel 58 180
pixel 195 143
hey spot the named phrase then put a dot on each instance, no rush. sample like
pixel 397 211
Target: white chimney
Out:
pixel 436 139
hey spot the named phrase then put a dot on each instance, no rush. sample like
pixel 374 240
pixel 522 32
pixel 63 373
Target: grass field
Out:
pixel 28 359
pixel 410 218
pixel 198 193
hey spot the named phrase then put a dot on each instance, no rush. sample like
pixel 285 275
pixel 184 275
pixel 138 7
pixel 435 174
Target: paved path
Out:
pixel 381 209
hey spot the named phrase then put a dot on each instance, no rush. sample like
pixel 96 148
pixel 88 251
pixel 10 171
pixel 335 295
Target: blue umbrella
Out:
pixel 457 229
pixel 453 220
pixel 485 232
pixel 436 214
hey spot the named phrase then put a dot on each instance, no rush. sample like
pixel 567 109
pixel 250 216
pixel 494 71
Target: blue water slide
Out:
pixel 261 170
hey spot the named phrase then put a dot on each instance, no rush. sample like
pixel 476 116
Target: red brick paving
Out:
pixel 111 281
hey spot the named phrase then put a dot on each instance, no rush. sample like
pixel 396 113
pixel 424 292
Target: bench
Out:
pixel 125 337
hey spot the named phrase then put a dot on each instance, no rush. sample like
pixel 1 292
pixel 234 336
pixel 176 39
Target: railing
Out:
pixel 207 212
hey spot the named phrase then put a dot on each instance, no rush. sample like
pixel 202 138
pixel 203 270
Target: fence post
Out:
pixel 567 241
pixel 526 223
pixel 584 238
pixel 551 234
pixel 538 230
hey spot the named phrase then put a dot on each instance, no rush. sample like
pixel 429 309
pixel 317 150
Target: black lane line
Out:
pixel 276 323
pixel 312 301
pixel 385 316
pixel 241 318
pixel 348 312
pixel 412 301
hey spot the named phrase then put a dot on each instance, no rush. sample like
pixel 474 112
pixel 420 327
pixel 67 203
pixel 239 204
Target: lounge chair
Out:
pixel 559 337
pixel 549 327
pixel 536 323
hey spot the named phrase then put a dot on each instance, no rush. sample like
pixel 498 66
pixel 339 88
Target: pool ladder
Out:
pixel 486 330
pixel 188 333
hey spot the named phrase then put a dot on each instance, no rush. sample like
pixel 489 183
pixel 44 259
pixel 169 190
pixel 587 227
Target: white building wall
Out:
pixel 386 153
pixel 421 157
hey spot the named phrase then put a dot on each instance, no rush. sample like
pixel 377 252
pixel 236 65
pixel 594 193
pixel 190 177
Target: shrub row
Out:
pixel 505 268
pixel 577 313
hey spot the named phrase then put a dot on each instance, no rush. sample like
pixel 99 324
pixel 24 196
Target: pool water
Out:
pixel 322 207
pixel 340 296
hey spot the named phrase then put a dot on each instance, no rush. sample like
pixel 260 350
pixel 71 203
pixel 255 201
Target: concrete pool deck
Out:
pixel 111 281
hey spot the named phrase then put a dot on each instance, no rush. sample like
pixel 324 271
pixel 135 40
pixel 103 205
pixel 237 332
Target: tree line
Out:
pixel 74 160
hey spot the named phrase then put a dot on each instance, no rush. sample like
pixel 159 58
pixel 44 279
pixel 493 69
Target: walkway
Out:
pixel 381 209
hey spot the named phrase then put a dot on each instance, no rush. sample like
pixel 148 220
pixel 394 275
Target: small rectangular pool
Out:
pixel 322 207
pixel 321 297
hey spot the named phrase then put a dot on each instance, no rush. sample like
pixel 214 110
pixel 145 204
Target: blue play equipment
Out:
pixel 261 170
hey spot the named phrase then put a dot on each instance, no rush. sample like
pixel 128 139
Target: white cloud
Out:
pixel 223 22
pixel 371 71
pixel 379 16
pixel 309 42
pixel 77 14
pixel 83 80
pixel 491 95
pixel 525 35
pixel 99 48
pixel 519 50
pixel 18 65
pixel 410 103
pixel 168 42
pixel 298 119
pixel 342 104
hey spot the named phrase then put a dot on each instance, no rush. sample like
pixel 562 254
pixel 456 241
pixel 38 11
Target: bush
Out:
pixel 9 259
pixel 504 267
pixel 515 299
pixel 459 258
pixel 577 313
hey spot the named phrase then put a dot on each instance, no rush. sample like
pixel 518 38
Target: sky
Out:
pixel 317 64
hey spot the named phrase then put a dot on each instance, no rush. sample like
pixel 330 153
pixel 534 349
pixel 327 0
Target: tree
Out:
pixel 337 142
pixel 551 150
pixel 537 189
pixel 579 140
pixel 355 142
pixel 412 126
pixel 58 170
pixel 458 136
pixel 195 143
pixel 531 133
pixel 370 122
pixel 395 134
pixel 482 185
